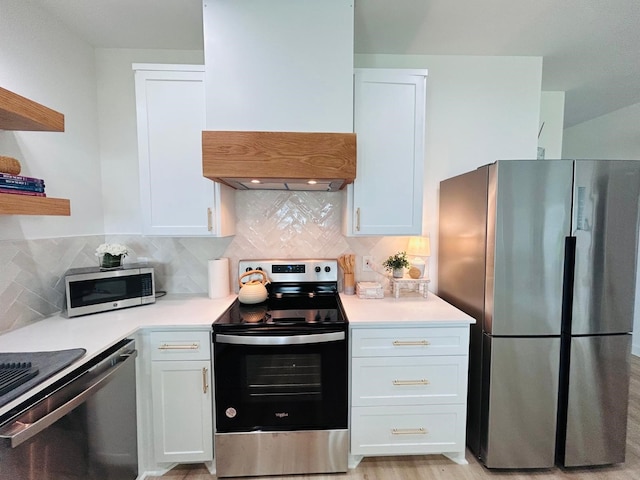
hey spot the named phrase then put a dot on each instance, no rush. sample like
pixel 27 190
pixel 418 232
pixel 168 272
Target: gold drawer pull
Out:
pixel 205 383
pixel 411 343
pixel 422 381
pixel 408 431
pixel 166 346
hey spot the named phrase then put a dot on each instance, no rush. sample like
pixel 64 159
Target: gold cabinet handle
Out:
pixel 422 381
pixel 205 383
pixel 166 346
pixel 411 343
pixel 358 219
pixel 408 431
pixel 209 219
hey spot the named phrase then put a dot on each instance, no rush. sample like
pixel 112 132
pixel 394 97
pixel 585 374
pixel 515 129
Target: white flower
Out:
pixel 112 249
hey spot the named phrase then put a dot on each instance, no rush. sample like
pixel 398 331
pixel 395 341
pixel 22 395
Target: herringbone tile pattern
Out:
pixel 270 224
pixel 32 276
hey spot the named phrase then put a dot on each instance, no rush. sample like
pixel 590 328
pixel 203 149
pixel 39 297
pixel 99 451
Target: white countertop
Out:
pixel 96 333
pixel 402 312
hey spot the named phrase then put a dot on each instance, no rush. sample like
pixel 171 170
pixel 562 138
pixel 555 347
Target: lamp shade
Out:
pixel 419 247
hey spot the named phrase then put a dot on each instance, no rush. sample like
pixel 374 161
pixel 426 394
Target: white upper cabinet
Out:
pixel 279 65
pixel 389 121
pixel 175 197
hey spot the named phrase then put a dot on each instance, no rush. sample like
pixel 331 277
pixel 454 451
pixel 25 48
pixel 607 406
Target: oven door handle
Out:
pixel 280 340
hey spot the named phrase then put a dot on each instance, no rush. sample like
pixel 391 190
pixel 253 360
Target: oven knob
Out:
pixel 327 269
pixel 317 269
pixel 230 412
pixel 248 269
pixel 259 268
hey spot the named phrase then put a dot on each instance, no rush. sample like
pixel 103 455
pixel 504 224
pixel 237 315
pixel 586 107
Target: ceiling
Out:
pixel 591 48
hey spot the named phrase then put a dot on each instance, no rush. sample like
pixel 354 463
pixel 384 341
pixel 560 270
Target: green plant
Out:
pixel 399 260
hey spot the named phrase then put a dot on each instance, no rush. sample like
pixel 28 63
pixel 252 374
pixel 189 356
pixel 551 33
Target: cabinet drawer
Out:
pixel 409 381
pixel 180 345
pixel 404 342
pixel 408 430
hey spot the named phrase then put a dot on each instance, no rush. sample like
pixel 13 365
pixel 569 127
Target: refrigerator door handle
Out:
pixel 567 283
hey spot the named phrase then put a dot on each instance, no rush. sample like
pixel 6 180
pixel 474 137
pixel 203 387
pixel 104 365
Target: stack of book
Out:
pixel 17 184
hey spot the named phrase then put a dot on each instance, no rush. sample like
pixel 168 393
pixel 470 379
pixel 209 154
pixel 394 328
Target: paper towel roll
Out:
pixel 219 278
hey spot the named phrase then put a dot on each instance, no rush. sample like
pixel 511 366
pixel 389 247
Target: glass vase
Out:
pixel 108 261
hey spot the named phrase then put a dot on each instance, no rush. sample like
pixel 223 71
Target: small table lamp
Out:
pixel 418 248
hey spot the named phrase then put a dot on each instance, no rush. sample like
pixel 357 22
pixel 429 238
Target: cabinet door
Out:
pixel 175 197
pixel 182 411
pixel 389 120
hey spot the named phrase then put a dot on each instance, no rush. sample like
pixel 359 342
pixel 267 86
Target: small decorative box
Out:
pixel 369 290
pixel 417 286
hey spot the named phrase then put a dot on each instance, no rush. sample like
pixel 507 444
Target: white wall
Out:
pixel 42 60
pixel 281 65
pixel 118 136
pixel 612 136
pixel 479 110
pixel 552 114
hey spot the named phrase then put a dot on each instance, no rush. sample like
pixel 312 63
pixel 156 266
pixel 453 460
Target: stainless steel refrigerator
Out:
pixel 543 254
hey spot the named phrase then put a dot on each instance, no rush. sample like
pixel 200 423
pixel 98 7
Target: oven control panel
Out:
pixel 293 270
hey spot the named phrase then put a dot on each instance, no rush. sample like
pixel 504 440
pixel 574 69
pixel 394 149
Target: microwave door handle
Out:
pixel 280 340
pixel 19 432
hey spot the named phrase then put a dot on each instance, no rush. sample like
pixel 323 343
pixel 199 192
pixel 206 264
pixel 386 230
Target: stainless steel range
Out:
pixel 281 374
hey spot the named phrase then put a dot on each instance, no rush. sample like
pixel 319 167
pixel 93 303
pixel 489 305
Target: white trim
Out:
pixel 168 67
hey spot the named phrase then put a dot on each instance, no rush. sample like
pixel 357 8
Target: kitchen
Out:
pixel 90 159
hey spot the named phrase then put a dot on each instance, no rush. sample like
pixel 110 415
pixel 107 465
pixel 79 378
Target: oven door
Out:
pixel 280 382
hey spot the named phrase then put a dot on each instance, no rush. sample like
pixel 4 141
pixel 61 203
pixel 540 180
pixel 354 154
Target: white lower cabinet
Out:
pixel 409 391
pixel 181 396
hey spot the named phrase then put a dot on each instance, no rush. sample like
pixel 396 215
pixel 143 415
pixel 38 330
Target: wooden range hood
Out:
pixel 279 160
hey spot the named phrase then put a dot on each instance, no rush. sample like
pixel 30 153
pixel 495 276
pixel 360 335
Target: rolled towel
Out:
pixel 9 165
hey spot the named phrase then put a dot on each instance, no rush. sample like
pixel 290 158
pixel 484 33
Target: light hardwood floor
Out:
pixel 437 467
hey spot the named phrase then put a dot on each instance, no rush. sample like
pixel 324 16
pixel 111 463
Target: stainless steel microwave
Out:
pixel 93 290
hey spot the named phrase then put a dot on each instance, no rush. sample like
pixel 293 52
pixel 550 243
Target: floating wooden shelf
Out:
pixel 31 205
pixel 20 113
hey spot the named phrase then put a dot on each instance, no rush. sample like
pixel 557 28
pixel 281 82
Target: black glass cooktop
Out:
pixel 300 312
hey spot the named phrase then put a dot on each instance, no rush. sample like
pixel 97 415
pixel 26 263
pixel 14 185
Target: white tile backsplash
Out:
pixel 270 224
pixel 32 276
